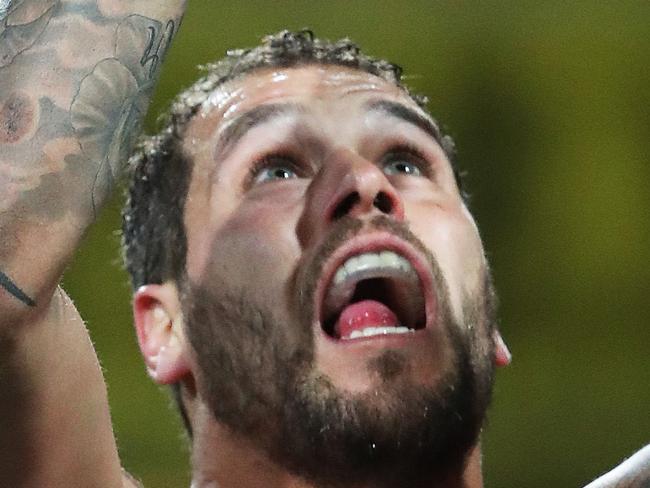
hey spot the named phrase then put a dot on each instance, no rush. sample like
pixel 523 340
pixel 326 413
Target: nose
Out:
pixel 346 185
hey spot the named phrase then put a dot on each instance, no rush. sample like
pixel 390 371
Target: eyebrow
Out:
pixel 255 117
pixel 406 114
pixel 262 114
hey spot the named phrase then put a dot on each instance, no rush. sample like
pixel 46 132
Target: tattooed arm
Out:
pixel 75 80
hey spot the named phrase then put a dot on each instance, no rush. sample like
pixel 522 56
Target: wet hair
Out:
pixel 153 232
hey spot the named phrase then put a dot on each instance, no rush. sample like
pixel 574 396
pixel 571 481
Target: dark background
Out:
pixel 549 106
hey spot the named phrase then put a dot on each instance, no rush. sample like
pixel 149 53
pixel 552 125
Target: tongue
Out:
pixel 367 313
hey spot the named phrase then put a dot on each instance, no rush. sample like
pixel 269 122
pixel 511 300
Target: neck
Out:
pixel 221 459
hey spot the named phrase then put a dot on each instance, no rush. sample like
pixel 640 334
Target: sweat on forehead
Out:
pixel 272 92
pixel 152 214
pixel 272 81
pixel 281 50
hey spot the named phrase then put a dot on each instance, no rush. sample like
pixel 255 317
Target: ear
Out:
pixel 502 356
pixel 158 324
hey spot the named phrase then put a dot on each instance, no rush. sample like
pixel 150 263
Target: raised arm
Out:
pixel 75 80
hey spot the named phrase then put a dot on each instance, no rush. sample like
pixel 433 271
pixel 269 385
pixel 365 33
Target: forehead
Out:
pixel 312 86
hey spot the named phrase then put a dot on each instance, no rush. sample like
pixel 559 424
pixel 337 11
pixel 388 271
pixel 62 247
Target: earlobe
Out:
pixel 502 356
pixel 171 365
pixel 158 324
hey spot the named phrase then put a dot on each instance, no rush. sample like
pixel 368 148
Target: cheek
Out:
pixel 453 238
pixel 252 245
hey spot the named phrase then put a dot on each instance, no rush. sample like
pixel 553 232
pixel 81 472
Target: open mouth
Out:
pixel 373 294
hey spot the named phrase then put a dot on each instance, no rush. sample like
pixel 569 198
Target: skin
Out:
pixel 288 216
pixel 271 225
pixel 57 165
pixel 241 227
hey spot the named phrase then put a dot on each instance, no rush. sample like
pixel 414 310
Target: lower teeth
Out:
pixel 374 331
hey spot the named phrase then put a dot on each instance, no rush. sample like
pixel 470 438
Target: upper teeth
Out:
pixel 384 264
pixel 369 263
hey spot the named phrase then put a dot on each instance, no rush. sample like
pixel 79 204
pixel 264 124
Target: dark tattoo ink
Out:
pixel 104 112
pixel 21 24
pixel 111 101
pixel 65 136
pixel 141 44
pixel 13 290
pixel 17 115
pixel 152 55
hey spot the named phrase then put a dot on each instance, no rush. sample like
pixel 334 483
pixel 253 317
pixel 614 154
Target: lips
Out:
pixel 374 286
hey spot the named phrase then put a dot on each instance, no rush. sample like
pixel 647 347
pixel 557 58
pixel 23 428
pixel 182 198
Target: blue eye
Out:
pixel 273 169
pixel 275 173
pixel 402 166
pixel 405 160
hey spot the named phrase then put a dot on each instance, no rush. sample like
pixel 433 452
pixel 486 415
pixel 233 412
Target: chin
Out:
pixel 340 400
pixel 399 432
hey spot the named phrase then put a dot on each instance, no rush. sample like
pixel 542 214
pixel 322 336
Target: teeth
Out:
pixel 374 331
pixel 384 264
pixel 357 266
pixel 388 258
pixel 406 291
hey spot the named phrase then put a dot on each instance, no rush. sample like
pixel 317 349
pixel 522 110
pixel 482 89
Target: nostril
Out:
pixel 345 205
pixel 383 203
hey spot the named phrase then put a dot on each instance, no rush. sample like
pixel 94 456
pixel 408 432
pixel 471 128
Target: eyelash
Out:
pixel 412 154
pixel 272 159
pixel 409 152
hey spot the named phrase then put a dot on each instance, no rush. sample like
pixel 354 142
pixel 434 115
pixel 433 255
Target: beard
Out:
pixel 259 379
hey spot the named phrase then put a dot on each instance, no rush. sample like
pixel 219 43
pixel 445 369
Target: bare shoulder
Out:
pixel 634 472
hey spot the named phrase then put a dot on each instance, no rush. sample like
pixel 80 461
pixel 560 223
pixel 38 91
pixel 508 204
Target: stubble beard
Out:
pixel 259 379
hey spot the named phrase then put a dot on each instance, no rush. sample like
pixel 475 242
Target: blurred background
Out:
pixel 549 103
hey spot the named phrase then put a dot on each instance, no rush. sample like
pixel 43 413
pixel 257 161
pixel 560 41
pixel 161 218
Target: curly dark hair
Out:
pixel 154 240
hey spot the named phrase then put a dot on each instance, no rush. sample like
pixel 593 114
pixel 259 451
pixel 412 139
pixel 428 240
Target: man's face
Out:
pixel 338 300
